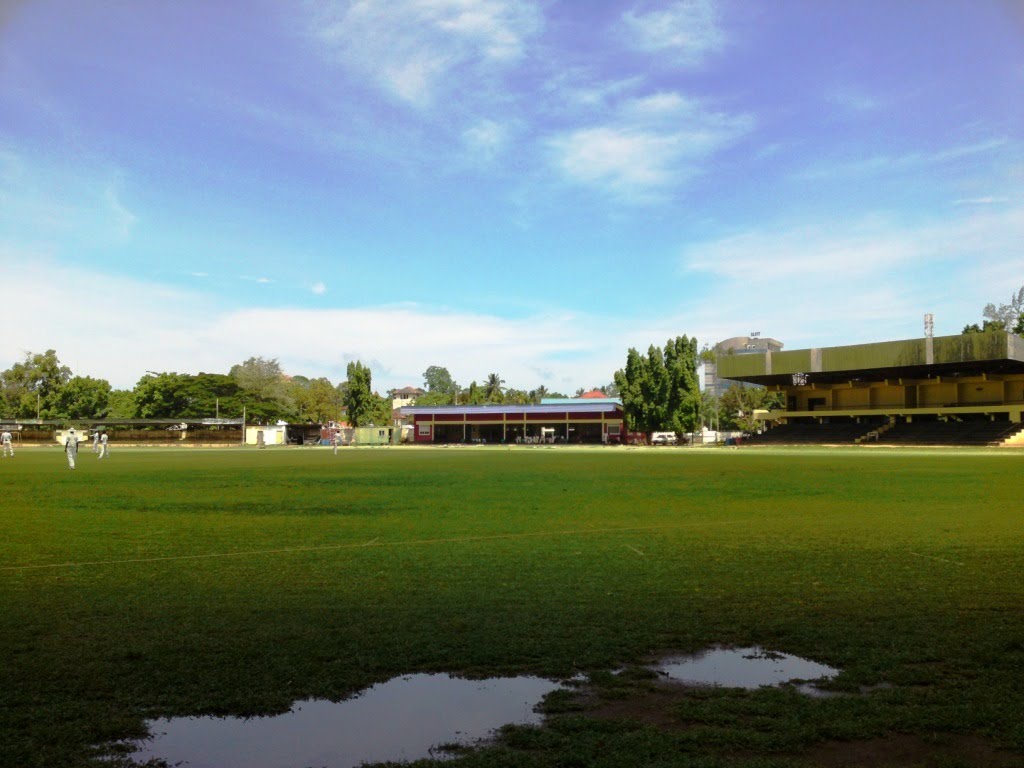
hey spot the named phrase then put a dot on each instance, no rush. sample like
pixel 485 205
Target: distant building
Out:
pixel 400 398
pixel 559 420
pixel 737 345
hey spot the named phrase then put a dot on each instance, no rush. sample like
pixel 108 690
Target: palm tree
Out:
pixel 539 394
pixel 493 388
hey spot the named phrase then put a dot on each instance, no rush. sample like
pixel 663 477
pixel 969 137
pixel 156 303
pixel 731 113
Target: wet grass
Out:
pixel 173 582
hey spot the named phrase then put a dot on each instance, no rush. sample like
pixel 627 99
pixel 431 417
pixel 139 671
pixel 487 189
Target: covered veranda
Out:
pixel 593 423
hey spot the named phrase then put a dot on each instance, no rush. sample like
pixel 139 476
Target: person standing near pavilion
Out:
pixel 104 447
pixel 8 441
pixel 71 447
pixel 95 441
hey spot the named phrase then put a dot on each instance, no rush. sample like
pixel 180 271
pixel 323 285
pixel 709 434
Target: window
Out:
pixel 614 429
pixel 424 429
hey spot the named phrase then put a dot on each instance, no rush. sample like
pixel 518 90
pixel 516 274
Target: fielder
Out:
pixel 95 441
pixel 7 440
pixel 104 448
pixel 71 447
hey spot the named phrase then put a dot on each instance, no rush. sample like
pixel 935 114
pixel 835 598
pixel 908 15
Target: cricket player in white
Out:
pixel 71 447
pixel 7 440
pixel 104 449
pixel 95 441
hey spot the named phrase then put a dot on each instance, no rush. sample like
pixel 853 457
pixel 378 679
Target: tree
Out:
pixel 183 395
pixel 990 325
pixel 32 387
pixel 493 388
pixel 1004 317
pixel 711 411
pixel 441 388
pixel 160 396
pixel 739 402
pixel 660 391
pixel 630 381
pixel 121 404
pixel 438 381
pixel 264 389
pixel 317 400
pixel 365 407
pixel 474 394
pixel 212 394
pixel 83 397
pixel 1011 315
pixel 684 400
pixel 517 397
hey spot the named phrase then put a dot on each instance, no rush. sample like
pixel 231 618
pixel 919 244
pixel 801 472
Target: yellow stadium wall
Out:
pixel 803 397
pixel 852 398
pixel 980 392
pixel 883 396
pixel 1014 389
pixel 937 394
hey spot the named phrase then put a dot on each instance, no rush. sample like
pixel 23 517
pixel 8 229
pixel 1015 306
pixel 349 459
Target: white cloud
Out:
pixel 486 138
pixel 412 48
pixel 882 164
pixel 988 200
pixel 689 31
pixel 318 288
pixel 651 145
pixel 148 326
pixel 123 220
pixel 853 100
pixel 624 160
pixel 868 248
pixel 867 281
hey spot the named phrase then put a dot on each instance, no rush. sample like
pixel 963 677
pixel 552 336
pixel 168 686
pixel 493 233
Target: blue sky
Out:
pixel 508 186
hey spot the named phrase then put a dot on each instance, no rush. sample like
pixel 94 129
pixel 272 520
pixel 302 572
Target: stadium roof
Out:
pixel 588 406
pixel 971 354
pixel 585 400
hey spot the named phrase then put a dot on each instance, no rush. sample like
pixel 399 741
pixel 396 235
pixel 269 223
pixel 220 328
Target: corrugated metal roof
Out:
pixel 587 400
pixel 589 406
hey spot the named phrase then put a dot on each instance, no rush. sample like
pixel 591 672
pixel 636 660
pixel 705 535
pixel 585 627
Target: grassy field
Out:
pixel 173 582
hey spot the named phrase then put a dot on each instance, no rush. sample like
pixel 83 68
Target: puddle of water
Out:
pixel 403 719
pixel 744 668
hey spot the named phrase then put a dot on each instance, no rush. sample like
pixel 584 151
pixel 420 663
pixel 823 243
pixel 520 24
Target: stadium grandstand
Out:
pixel 945 390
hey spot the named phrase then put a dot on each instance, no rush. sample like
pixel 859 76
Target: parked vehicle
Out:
pixel 664 438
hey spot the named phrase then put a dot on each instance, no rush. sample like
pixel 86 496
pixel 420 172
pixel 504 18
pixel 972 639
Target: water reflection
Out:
pixel 743 668
pixel 401 720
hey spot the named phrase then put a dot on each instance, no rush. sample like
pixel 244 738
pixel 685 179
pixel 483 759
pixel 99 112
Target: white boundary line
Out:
pixel 939 559
pixel 375 543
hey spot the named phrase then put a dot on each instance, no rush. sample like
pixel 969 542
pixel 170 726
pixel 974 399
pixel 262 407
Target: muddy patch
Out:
pixel 404 719
pixel 906 751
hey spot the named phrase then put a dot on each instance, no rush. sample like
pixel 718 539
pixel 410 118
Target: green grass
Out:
pixel 175 582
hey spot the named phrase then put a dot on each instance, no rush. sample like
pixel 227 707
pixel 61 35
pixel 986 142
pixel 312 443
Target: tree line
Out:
pixel 40 386
pixel 442 389
pixel 659 392
pixel 1002 317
